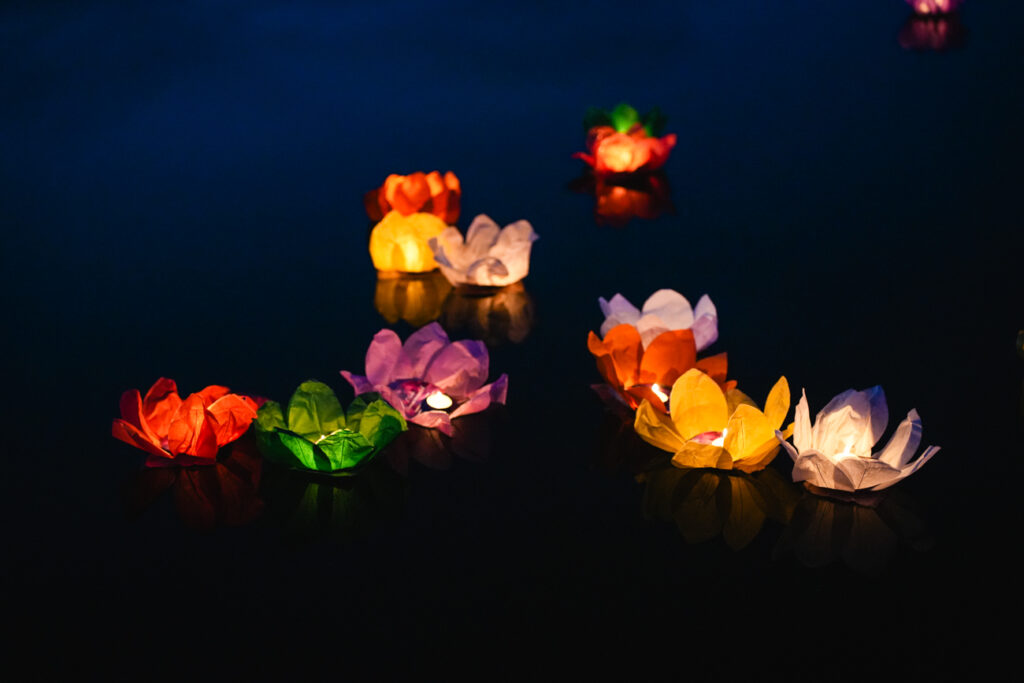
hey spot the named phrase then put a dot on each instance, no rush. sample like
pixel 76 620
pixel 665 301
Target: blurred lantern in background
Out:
pixel 415 298
pixel 621 141
pixel 399 243
pixel 836 452
pixel 927 7
pixel 488 256
pixel 416 193
pixel 494 317
pixel 620 199
pixel 933 32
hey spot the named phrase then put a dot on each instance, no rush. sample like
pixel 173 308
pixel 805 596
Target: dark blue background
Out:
pixel 180 194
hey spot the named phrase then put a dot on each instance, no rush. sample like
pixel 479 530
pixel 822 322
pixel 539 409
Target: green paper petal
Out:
pixel 270 417
pixel 346 449
pixel 304 452
pixel 314 411
pixel 654 122
pixel 623 117
pixel 377 421
pixel 596 116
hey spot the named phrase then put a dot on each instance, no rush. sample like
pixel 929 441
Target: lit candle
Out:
pixel 439 401
pixel 720 441
pixel 660 393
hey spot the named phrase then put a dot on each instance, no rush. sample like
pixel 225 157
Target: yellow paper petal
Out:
pixel 656 428
pixel 697 405
pixel 749 435
pixel 776 406
pixel 735 398
pixel 694 454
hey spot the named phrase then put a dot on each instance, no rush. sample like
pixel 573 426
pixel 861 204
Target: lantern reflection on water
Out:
pixel 935 32
pixel 415 298
pixel 620 199
pixel 706 503
pixel 495 317
pixel 222 493
pixel 863 530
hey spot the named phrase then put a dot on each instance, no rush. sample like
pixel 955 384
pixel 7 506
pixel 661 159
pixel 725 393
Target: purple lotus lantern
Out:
pixel 430 379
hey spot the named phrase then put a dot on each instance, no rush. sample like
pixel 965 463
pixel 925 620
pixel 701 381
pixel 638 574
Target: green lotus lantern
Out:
pixel 317 434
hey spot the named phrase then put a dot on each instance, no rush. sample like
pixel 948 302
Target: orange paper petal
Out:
pixel 232 415
pixel 191 432
pixel 159 406
pixel 667 357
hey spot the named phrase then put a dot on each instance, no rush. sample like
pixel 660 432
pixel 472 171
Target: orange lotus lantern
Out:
pixel 621 141
pixel 416 193
pixel 190 430
pixel 400 243
pixel 634 371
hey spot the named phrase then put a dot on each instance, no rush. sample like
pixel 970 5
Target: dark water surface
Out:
pixel 180 194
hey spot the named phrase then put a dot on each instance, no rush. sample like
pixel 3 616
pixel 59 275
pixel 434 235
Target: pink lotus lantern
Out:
pixel 429 379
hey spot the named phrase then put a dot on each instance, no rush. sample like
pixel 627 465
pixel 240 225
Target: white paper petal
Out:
pixel 649 327
pixel 867 473
pixel 846 423
pixel 802 433
pixel 907 470
pixel 815 468
pixel 618 311
pixel 672 307
pixel 904 442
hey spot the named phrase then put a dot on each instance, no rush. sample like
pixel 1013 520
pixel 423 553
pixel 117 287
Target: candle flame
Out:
pixel 660 393
pixel 439 401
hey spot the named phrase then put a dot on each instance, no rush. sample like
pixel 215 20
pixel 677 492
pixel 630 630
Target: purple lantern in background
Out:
pixel 429 379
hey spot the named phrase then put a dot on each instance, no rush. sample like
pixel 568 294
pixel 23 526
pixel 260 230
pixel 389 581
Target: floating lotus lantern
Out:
pixel 318 434
pixel 621 141
pixel 663 311
pixel 495 317
pixel 489 256
pixel 934 6
pixel 399 243
pixel 188 431
pixel 224 494
pixel 836 452
pixel 707 503
pixel 429 379
pixel 709 427
pixel 641 353
pixel 416 298
pixel 416 193
pixel 634 373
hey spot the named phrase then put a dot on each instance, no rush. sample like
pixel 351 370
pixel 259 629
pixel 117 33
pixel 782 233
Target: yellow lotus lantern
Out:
pixel 709 427
pixel 399 243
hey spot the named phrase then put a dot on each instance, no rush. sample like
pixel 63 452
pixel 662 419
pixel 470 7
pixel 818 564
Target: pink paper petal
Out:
pixel 381 357
pixel 360 384
pixel 460 368
pixel 434 419
pixel 418 350
pixel 496 392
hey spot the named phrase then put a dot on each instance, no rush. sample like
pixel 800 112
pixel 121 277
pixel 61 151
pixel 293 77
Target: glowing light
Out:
pixel 659 392
pixel 399 243
pixel 439 401
pixel 720 441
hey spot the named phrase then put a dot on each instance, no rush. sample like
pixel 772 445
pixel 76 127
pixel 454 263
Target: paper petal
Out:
pixel 750 438
pixel 618 355
pixel 802 431
pixel 697 405
pixel 382 357
pixel 668 356
pixel 479 400
pixel 233 415
pixel 694 454
pixel 904 442
pixel 132 436
pixel 314 410
pixel 190 432
pixel 418 351
pixel 618 311
pixel 434 419
pixel 657 428
pixel 159 406
pixel 671 307
pixel 776 406
pixel 460 368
